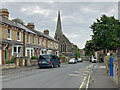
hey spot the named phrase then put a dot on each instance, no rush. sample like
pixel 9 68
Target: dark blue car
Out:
pixel 48 61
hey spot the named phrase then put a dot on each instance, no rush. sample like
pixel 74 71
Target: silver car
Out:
pixel 72 61
pixel 80 60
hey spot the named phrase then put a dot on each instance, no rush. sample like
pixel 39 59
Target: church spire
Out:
pixel 59 27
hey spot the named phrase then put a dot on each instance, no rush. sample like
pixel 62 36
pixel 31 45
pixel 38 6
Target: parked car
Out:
pixel 90 59
pixel 94 60
pixel 72 61
pixel 80 60
pixel 48 61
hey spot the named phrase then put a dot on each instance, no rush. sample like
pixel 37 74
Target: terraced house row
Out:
pixel 23 40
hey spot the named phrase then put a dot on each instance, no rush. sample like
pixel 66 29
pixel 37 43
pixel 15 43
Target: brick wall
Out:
pixel 4 30
pixel 115 68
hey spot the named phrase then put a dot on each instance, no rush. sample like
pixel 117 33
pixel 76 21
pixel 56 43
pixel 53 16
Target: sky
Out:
pixel 76 17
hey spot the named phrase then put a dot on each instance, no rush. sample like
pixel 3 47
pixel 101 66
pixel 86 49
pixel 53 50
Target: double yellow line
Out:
pixel 85 77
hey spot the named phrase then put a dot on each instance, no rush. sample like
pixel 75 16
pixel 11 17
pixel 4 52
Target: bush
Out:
pixel 62 56
pixel 34 57
pixel 9 61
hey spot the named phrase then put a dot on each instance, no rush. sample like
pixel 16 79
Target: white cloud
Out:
pixel 35 10
pixel 89 10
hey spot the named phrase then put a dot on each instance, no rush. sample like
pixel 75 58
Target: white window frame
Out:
pixel 17 46
pixel 19 36
pixel 10 34
pixel 28 39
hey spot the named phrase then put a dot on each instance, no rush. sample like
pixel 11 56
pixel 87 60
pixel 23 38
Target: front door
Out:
pixel 19 52
pixel 28 53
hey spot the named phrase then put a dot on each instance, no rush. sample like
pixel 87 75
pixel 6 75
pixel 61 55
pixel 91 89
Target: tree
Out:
pixel 76 54
pixel 76 51
pixel 75 47
pixel 18 20
pixel 90 48
pixel 106 33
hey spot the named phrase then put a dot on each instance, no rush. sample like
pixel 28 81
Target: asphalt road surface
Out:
pixel 66 76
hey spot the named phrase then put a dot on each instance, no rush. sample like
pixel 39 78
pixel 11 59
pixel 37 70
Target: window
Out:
pixel 42 52
pixel 31 52
pixel 18 35
pixel 43 42
pixel 53 57
pixel 65 47
pixel 28 53
pixel 48 43
pixel 57 45
pixel 51 45
pixel 9 34
pixel 38 41
pixel 15 49
pixel 33 39
pixel 28 39
pixel 19 49
pixel 54 45
pixel 61 47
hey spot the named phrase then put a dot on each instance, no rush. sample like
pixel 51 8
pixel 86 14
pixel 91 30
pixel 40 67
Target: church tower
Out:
pixel 59 27
pixel 65 46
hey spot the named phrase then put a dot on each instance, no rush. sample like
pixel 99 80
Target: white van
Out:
pixel 94 60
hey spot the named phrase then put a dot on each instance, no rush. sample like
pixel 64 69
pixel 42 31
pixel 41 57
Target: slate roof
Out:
pixel 14 24
pixel 25 28
pixel 9 22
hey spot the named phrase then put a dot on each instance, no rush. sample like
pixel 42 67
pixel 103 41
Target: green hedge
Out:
pixel 9 61
pixel 34 57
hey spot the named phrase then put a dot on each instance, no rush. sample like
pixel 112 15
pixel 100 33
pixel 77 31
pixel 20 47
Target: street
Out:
pixel 67 76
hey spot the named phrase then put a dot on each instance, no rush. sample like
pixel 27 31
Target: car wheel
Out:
pixel 40 67
pixel 59 65
pixel 52 66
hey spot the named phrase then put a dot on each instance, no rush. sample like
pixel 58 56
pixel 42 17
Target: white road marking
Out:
pixel 81 85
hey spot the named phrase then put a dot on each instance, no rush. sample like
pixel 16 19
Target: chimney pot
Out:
pixel 4 12
pixel 46 32
pixel 31 25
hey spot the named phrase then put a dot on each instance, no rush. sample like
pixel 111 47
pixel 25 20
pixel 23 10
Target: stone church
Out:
pixel 65 46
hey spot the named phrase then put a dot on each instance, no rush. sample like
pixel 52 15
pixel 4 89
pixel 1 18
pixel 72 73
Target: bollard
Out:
pixel 111 66
pixel 28 62
pixel 23 62
pixel 17 62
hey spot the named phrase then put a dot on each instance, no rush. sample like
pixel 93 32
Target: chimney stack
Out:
pixel 46 32
pixel 31 25
pixel 4 12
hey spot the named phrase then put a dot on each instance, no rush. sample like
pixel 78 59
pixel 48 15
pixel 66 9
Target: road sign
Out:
pixel 73 54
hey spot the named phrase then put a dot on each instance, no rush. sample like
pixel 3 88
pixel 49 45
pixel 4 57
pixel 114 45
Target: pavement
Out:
pixel 67 76
pixel 100 80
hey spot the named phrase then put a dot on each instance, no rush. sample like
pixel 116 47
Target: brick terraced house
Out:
pixel 21 40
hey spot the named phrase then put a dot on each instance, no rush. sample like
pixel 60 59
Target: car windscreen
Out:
pixel 72 59
pixel 46 57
